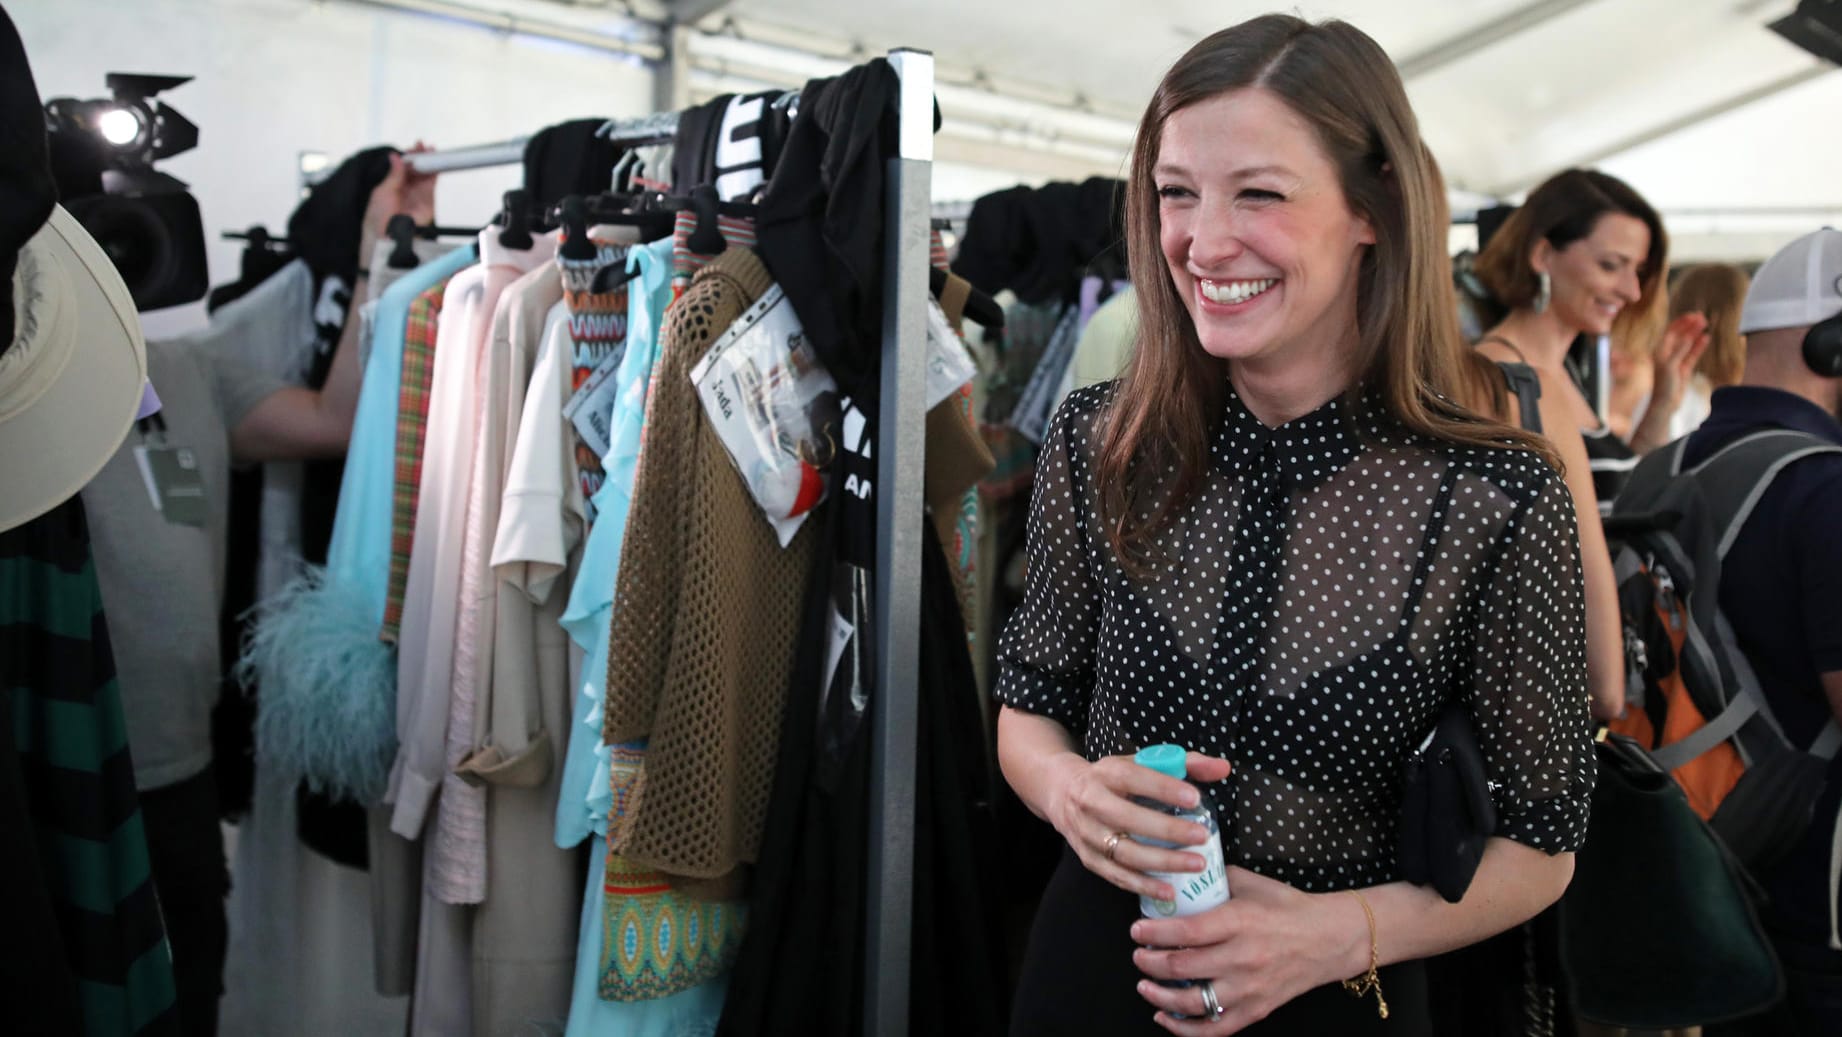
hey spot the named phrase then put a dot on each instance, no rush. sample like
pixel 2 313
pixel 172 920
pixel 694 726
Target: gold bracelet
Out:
pixel 1361 985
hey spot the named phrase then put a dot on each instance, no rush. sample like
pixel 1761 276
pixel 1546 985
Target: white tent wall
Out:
pixel 275 78
pixel 279 77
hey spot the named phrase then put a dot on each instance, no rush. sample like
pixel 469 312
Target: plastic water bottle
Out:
pixel 1196 891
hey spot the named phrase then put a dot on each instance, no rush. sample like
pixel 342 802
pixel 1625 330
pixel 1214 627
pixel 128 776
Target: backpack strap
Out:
pixel 1724 725
pixel 1732 481
pixel 1739 473
pixel 1826 744
pixel 1647 481
pixel 1527 386
pixel 1754 740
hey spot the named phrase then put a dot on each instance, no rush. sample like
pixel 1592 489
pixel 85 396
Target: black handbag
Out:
pixel 1446 812
pixel 1657 930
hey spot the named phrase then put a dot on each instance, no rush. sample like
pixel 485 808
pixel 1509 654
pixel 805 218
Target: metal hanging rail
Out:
pixel 647 129
pixel 478 156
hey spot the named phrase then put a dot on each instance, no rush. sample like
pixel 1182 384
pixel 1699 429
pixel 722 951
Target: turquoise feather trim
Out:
pixel 327 687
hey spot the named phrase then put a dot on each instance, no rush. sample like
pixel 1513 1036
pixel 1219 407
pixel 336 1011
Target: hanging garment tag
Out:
pixel 174 483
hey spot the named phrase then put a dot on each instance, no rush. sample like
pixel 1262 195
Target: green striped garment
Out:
pixel 68 749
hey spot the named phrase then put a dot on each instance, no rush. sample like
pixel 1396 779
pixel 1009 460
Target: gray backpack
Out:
pixel 1692 699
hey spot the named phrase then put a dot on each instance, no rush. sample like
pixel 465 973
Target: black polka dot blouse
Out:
pixel 1333 583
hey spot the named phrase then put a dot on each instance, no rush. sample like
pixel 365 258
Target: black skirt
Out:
pixel 1078 976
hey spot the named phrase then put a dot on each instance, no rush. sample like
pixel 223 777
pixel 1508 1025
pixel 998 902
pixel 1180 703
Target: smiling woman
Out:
pixel 1279 542
pixel 1585 254
pixel 1262 247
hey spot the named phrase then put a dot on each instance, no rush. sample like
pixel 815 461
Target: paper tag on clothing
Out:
pixel 591 408
pixel 839 633
pixel 594 425
pixel 949 364
pixel 775 407
pixel 602 375
pixel 174 483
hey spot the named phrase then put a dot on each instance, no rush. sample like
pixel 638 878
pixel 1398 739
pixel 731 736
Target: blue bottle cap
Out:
pixel 1165 759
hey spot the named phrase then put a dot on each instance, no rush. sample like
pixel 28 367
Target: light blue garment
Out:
pixel 583 803
pixel 582 806
pixel 688 1013
pixel 328 682
pixel 360 547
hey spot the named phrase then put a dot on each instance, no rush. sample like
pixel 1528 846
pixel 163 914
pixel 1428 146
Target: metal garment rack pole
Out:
pixel 478 156
pixel 900 464
pixel 647 129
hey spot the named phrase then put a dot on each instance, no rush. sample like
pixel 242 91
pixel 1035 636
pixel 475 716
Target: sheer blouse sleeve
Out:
pixel 1529 693
pixel 1046 655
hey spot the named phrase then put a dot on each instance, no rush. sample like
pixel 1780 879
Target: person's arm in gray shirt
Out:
pixel 296 422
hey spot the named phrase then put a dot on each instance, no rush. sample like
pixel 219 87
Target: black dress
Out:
pixel 1332 583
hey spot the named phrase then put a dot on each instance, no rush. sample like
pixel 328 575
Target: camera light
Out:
pixel 119 126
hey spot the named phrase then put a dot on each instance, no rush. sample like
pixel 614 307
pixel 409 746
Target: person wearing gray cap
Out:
pixel 1781 587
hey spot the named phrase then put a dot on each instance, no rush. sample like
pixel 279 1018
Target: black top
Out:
pixel 1330 588
pixel 1611 460
pixel 1781 588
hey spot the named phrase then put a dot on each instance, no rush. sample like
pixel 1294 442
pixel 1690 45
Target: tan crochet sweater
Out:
pixel 706 614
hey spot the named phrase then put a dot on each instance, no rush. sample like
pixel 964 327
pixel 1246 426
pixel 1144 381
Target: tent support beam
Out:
pixel 1491 33
pixel 690 12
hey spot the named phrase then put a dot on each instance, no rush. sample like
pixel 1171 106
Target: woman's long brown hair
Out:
pixel 1155 445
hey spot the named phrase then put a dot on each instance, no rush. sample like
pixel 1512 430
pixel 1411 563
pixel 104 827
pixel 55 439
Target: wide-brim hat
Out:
pixel 71 382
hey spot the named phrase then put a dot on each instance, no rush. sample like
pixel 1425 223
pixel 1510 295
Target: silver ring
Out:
pixel 1209 1003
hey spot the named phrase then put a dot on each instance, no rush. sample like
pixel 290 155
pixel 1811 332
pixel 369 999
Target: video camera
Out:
pixel 102 156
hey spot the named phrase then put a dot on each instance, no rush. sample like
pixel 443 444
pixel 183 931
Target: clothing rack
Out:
pixel 901 463
pixel 900 469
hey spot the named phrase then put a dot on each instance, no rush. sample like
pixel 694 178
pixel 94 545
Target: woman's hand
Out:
pixel 1261 949
pixel 1673 362
pixel 1091 807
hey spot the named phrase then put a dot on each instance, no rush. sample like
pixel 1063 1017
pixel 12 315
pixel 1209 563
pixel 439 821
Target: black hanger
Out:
pixel 402 233
pixel 430 231
pixel 515 222
pixel 618 209
pixel 258 237
pixel 573 218
pixel 981 308
pixel 575 214
pixel 707 239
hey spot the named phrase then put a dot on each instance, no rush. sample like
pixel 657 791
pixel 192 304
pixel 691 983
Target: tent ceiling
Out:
pixel 1696 102
pixel 1507 90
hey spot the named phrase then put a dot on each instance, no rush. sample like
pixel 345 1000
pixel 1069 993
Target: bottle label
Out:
pixel 1197 891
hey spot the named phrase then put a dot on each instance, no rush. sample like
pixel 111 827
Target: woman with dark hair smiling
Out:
pixel 1585 254
pixel 1277 541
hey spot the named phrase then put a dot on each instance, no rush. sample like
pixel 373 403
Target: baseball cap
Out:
pixel 72 362
pixel 1800 285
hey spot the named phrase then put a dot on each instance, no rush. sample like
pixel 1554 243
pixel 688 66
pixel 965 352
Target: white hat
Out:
pixel 1799 286
pixel 71 381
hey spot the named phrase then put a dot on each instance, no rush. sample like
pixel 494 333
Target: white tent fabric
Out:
pixel 1718 120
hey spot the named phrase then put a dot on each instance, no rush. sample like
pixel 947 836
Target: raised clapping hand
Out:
pixel 1673 363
